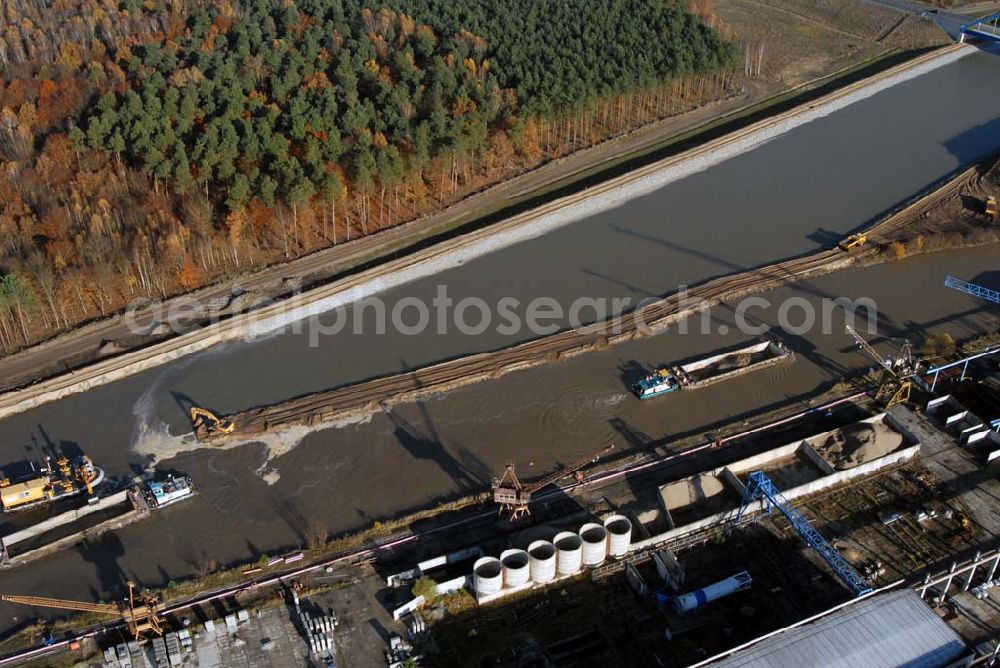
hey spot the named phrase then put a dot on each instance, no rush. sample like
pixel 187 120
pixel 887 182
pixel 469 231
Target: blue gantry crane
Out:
pixel 759 486
pixel 987 27
pixel 972 289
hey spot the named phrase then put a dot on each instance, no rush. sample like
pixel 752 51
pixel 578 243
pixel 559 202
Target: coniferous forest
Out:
pixel 148 147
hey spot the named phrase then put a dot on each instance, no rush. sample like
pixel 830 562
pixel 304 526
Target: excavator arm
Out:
pixel 210 423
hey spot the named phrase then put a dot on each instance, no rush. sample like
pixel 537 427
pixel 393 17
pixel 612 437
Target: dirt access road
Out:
pixel 849 39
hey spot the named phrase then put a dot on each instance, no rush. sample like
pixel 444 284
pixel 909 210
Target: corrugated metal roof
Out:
pixel 884 631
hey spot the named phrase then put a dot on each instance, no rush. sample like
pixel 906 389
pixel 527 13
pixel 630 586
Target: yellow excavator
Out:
pixel 853 241
pixel 207 423
pixel 991 207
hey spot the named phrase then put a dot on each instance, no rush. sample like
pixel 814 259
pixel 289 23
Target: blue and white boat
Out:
pixel 168 492
pixel 661 381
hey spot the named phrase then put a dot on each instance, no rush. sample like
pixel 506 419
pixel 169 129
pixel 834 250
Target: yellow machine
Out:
pixel 895 376
pixel 207 423
pixel 853 241
pixel 66 473
pixel 63 480
pixel 24 493
pixel 140 612
pixel 86 474
pixel 991 207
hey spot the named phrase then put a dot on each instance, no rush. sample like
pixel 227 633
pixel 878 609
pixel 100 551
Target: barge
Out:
pixel 115 511
pixel 713 369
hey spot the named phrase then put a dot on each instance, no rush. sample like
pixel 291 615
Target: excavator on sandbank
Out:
pixel 853 241
pixel 207 424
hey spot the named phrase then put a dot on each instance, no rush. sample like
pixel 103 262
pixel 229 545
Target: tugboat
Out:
pixel 66 480
pixel 661 381
pixel 168 492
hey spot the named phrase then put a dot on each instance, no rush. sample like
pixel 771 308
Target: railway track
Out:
pixel 365 398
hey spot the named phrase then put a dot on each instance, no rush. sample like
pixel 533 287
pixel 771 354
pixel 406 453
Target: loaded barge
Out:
pixel 98 516
pixel 714 369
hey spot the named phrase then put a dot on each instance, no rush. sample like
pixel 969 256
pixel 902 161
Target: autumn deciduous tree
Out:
pixel 147 147
pixel 189 275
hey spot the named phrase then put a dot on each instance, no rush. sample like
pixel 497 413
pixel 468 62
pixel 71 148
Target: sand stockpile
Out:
pixel 735 361
pixel 692 490
pixel 859 443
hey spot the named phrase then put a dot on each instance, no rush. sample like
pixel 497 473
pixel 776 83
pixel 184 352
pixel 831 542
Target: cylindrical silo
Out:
pixel 619 530
pixel 700 597
pixel 515 567
pixel 543 560
pixel 569 552
pixel 487 575
pixel 595 544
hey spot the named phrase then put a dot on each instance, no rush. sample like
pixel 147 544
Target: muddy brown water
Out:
pixel 790 196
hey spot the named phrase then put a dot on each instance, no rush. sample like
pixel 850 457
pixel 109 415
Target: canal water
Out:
pixel 798 192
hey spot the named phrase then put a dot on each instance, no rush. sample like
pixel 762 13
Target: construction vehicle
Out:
pixel 207 424
pixel 991 207
pixel 513 496
pixel 895 376
pixel 853 241
pixel 140 612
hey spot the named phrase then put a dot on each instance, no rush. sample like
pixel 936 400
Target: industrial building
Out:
pixel 882 631
pixel 735 579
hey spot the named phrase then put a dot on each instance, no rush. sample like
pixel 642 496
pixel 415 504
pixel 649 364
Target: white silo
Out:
pixel 542 554
pixel 619 530
pixel 515 567
pixel 595 544
pixel 569 552
pixel 487 575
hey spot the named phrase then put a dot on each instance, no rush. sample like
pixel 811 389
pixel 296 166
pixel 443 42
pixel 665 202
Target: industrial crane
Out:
pixel 896 380
pixel 512 495
pixel 140 612
pixel 759 486
pixel 972 289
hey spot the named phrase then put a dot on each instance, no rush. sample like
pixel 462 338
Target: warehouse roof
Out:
pixel 887 630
